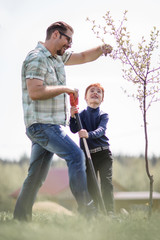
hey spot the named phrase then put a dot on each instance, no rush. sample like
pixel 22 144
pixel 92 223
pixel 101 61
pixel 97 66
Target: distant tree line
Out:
pixel 123 159
pixel 21 161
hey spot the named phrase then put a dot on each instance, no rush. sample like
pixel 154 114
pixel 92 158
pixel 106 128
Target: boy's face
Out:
pixel 94 96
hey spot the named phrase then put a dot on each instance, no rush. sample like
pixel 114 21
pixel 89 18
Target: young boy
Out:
pixel 94 123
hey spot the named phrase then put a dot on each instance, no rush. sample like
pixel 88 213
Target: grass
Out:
pixel 46 226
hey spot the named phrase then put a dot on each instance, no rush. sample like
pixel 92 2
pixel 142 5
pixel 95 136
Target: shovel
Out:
pixel 74 102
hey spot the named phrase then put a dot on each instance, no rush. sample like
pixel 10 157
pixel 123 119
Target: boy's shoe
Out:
pixel 113 216
pixel 89 210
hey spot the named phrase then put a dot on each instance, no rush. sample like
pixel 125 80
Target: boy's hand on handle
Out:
pixel 73 110
pixel 83 133
pixel 74 103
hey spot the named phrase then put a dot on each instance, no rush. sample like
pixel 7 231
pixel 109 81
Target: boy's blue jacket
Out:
pixel 95 122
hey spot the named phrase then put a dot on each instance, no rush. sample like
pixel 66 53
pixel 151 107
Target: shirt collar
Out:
pixel 92 109
pixel 44 49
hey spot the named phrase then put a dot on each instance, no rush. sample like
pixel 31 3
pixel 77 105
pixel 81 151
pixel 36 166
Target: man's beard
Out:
pixel 59 53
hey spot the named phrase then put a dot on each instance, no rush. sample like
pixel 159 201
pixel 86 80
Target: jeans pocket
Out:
pixel 37 134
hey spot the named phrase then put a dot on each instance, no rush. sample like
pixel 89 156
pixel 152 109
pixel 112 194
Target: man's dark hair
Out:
pixel 60 26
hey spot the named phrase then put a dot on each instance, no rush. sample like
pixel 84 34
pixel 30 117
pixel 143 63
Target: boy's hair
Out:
pixel 60 26
pixel 95 85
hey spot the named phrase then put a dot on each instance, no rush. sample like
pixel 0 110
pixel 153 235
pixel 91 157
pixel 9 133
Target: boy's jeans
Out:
pixel 48 139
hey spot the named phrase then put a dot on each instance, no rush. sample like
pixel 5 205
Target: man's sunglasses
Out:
pixel 69 39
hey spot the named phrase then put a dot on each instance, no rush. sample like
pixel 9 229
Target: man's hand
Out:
pixel 83 133
pixel 106 49
pixel 76 93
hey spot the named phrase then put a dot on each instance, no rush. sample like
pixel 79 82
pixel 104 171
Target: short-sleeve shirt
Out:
pixel 40 64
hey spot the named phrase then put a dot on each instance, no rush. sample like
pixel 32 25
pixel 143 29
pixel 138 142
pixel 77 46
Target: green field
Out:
pixel 46 225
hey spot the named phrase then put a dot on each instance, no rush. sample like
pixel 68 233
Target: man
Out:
pixel 44 103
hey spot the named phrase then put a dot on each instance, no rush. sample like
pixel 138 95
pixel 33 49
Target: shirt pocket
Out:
pixel 51 76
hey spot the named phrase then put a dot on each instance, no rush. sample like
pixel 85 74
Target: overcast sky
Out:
pixel 24 22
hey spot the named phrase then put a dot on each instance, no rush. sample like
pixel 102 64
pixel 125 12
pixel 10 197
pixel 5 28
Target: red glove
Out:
pixel 73 101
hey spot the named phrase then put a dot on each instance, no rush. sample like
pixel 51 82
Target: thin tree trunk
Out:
pixel 146 154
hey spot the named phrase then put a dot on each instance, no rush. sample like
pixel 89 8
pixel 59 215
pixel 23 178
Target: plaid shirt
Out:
pixel 40 64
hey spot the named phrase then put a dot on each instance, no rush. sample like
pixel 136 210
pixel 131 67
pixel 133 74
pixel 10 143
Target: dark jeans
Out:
pixel 102 162
pixel 46 140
